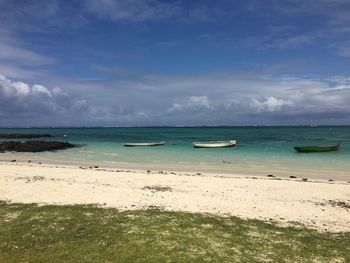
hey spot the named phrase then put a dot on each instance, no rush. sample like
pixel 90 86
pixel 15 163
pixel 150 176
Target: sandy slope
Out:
pixel 287 200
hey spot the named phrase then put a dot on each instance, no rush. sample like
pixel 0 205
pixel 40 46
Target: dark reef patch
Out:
pixel 34 146
pixel 24 136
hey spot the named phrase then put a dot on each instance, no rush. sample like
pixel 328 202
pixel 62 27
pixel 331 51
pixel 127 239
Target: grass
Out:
pixel 31 233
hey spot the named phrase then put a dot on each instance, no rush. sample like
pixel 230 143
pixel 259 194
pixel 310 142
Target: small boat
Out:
pixel 132 144
pixel 319 148
pixel 214 144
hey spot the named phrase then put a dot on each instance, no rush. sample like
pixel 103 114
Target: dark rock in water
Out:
pixel 270 175
pixel 34 146
pixel 13 161
pixel 95 166
pixel 24 136
pixel 304 179
pixel 292 176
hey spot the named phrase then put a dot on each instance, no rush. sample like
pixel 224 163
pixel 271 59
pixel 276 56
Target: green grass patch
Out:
pixel 31 233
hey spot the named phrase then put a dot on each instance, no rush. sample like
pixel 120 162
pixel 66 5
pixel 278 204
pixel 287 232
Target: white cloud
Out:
pixel 344 50
pixel 22 88
pixel 19 98
pixel 221 99
pixel 151 10
pixel 24 104
pixel 237 96
pixel 132 10
pixel 270 104
pixel 18 72
pixel 12 49
pixel 330 33
pixel 17 60
pixel 41 89
pixel 191 103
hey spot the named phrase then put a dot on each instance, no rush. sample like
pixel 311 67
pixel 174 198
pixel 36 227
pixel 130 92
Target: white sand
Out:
pixel 284 201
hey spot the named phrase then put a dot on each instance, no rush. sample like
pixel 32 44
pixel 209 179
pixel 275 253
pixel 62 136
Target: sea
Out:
pixel 259 150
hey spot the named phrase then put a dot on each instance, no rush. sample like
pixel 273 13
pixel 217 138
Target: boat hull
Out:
pixel 214 144
pixel 315 149
pixel 143 144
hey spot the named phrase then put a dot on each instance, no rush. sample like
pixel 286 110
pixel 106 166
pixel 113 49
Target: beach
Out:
pixel 317 204
pixel 175 131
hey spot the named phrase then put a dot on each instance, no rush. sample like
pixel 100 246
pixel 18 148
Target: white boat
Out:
pixel 132 144
pixel 214 144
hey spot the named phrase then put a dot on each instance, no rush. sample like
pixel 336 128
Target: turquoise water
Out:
pixel 258 147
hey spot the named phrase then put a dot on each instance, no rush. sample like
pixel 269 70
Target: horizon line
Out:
pixel 174 126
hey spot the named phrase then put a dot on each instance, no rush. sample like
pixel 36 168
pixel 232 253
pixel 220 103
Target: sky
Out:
pixel 174 63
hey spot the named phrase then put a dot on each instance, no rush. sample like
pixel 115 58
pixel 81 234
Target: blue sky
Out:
pixel 151 62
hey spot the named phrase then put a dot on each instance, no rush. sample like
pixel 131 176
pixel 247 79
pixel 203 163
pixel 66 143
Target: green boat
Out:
pixel 317 149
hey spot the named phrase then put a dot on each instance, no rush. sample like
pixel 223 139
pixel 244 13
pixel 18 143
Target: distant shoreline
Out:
pixel 180 126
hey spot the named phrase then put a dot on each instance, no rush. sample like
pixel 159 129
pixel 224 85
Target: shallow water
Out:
pixel 264 148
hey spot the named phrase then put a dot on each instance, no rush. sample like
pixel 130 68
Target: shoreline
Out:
pixel 220 168
pixel 316 204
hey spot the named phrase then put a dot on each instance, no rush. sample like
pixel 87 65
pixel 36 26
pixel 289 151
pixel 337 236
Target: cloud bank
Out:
pixel 218 99
pixel 21 100
pixel 22 104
